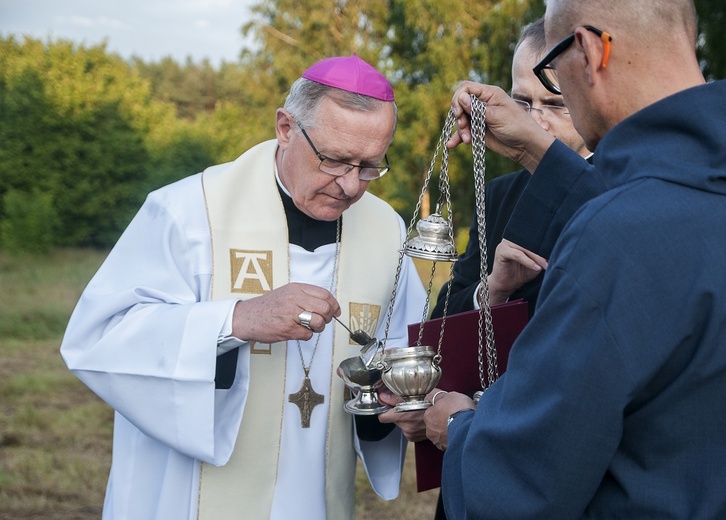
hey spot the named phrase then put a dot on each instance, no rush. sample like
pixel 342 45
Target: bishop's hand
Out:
pixel 276 315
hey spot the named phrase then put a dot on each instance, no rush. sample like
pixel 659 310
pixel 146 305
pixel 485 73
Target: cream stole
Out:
pixel 250 255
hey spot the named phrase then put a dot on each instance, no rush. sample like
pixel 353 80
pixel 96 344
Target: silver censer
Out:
pixel 362 376
pixel 363 380
pixel 412 372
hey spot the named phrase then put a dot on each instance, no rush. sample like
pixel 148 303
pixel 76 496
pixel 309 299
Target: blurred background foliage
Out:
pixel 85 135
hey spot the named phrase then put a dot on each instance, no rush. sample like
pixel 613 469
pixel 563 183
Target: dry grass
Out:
pixel 55 434
pixel 410 505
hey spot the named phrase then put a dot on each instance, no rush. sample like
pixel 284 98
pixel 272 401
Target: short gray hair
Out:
pixel 305 96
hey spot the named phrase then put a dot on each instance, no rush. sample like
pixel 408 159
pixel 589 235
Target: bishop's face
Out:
pixel 351 136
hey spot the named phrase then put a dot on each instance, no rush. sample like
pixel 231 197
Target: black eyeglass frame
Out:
pixel 382 170
pixel 559 49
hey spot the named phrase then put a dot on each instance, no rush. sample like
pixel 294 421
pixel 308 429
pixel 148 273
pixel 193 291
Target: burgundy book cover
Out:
pixel 460 366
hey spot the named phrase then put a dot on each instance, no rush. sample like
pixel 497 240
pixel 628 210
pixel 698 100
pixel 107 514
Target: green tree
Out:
pixel 191 88
pixel 70 128
pixel 292 34
pixel 30 221
pixel 712 44
pixel 432 47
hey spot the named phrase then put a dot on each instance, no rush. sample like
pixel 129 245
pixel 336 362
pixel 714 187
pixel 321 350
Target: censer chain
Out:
pixel 478 127
pixel 444 186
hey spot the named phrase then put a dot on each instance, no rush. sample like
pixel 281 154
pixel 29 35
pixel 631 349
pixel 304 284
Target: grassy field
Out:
pixel 55 434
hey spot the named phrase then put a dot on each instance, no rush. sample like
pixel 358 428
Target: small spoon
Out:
pixel 359 336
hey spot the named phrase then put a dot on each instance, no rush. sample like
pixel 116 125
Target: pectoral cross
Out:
pixel 306 399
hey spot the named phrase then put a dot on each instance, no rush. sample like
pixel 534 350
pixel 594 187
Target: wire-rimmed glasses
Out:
pixel 340 168
pixel 554 110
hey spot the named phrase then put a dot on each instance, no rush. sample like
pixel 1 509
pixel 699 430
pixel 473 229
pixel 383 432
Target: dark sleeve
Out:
pixel 561 184
pixel 226 369
pixel 369 428
pixel 465 280
pixel 501 197
pixel 532 430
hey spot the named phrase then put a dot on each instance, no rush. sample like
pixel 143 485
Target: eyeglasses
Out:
pixel 554 110
pixel 548 75
pixel 340 168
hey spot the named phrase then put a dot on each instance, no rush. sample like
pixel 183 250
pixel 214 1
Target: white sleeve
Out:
pixel 383 462
pixel 144 335
pixel 475 297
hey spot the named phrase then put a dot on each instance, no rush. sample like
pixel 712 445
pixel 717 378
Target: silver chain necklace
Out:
pixel 307 398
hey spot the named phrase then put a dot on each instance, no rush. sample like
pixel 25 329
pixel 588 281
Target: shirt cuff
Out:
pixel 226 341
pixel 475 297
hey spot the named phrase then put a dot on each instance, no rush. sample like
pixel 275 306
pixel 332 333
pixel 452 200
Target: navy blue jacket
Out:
pixel 501 197
pixel 613 403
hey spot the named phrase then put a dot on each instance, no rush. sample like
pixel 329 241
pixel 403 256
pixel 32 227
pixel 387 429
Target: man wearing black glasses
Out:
pixel 611 406
pixel 208 328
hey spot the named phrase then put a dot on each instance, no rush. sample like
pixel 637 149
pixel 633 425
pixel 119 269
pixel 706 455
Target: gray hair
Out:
pixel 305 96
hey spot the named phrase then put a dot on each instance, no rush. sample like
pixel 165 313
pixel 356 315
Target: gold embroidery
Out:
pixel 255 350
pixel 251 271
pixel 364 316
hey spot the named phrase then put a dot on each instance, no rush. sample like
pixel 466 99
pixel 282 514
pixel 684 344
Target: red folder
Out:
pixel 460 366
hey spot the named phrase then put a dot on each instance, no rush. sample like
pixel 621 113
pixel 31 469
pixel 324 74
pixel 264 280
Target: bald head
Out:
pixel 645 21
pixel 651 55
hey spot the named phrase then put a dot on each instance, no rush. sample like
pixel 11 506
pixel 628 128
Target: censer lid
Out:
pixel 433 241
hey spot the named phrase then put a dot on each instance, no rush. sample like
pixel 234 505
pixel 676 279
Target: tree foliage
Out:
pixel 80 126
pixel 69 131
pixel 712 44
pixel 84 135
